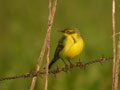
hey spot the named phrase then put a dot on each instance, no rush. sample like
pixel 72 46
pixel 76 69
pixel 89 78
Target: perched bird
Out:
pixel 69 46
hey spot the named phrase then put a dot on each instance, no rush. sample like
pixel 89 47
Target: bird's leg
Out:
pixel 69 61
pixel 71 65
pixel 65 63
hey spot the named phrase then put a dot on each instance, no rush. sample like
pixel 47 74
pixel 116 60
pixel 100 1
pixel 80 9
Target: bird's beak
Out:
pixel 62 31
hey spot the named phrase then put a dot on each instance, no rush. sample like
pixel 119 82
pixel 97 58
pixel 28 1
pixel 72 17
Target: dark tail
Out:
pixel 52 62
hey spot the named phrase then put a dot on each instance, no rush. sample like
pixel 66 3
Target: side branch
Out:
pixel 58 70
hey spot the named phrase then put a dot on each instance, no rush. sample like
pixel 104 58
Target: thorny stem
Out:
pixel 78 64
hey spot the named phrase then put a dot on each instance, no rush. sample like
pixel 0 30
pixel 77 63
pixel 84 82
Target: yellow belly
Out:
pixel 71 48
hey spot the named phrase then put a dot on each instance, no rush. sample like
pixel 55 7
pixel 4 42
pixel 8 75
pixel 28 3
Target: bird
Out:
pixel 69 46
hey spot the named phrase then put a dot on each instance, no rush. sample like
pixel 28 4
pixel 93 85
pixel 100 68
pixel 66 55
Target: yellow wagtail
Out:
pixel 69 46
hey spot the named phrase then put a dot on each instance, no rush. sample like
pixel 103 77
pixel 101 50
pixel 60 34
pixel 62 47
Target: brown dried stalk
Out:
pixel 46 45
pixel 78 64
pixel 50 21
pixel 114 45
pixel 117 66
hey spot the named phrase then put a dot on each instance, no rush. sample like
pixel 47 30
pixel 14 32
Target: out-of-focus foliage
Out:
pixel 23 25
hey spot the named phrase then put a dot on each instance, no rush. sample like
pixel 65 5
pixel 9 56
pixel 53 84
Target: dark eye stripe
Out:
pixel 70 32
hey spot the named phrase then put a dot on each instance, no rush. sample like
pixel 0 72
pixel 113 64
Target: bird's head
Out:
pixel 70 31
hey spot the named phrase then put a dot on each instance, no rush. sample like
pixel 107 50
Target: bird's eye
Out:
pixel 68 31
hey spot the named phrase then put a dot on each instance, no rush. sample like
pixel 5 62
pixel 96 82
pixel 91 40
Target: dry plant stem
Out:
pixel 40 61
pixel 114 46
pixel 49 12
pixel 117 65
pixel 46 69
pixel 50 21
pixel 38 65
pixel 53 10
pixel 48 46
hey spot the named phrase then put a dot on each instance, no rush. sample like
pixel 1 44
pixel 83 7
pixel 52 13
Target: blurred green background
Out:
pixel 23 25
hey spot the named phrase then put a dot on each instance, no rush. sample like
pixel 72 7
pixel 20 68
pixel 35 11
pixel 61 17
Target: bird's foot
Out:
pixel 66 68
pixel 71 66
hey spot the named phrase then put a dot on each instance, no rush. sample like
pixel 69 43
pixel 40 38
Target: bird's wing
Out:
pixel 59 47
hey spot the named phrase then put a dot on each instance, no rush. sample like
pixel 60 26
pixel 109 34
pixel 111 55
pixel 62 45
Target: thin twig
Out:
pixel 78 64
pixel 114 45
pixel 49 11
pixel 53 10
pixel 117 65
pixel 38 65
pixel 46 69
pixel 48 45
pixel 51 17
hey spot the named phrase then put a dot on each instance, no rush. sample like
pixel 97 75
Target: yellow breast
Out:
pixel 72 47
